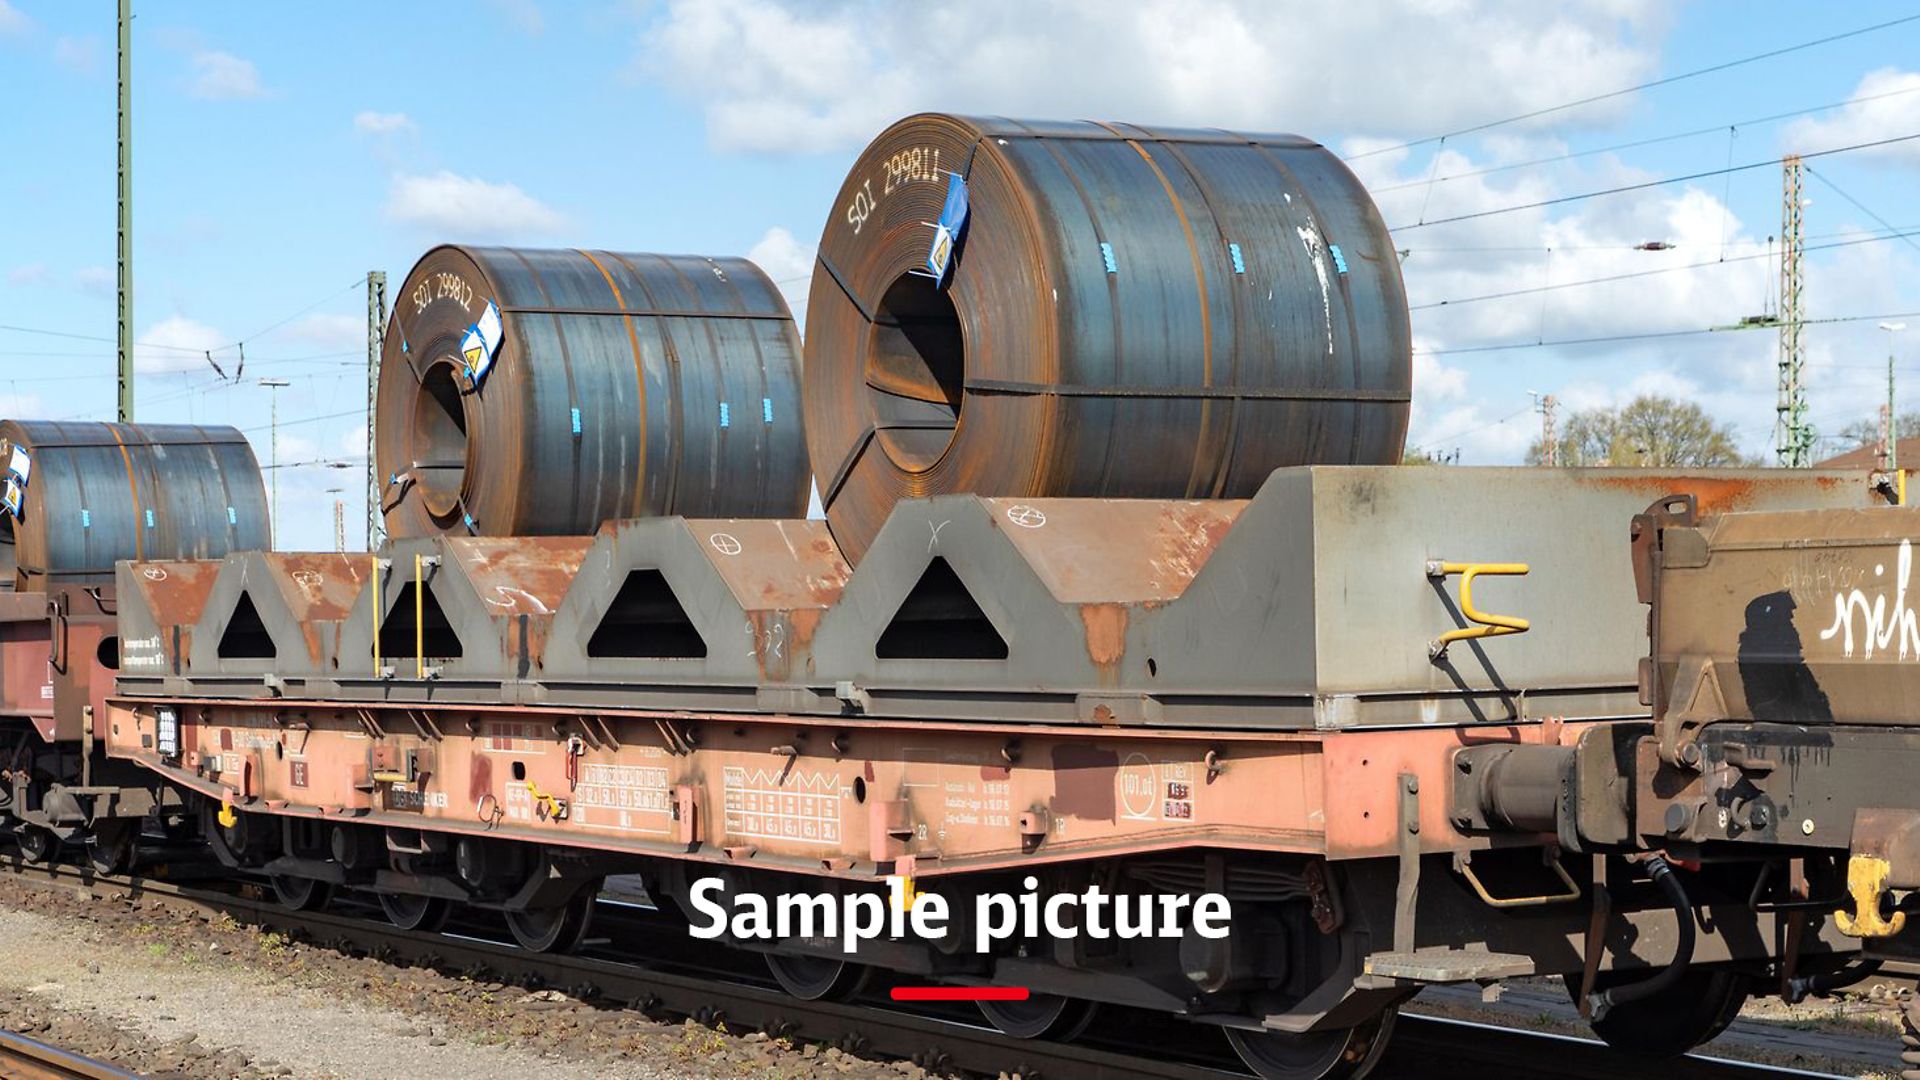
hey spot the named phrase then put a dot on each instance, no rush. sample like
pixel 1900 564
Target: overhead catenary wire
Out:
pixel 1660 182
pixel 1658 334
pixel 1634 89
pixel 1862 207
pixel 1436 442
pixel 1637 143
pixel 1648 272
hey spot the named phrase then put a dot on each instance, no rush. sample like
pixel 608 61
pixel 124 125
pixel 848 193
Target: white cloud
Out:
pixel 81 54
pixel 379 123
pixel 98 280
pixel 1730 374
pixel 12 22
pixel 463 207
pixel 331 333
pixel 177 343
pixel 1894 109
pixel 789 75
pixel 785 259
pixel 220 76
pixel 30 274
pixel 1433 380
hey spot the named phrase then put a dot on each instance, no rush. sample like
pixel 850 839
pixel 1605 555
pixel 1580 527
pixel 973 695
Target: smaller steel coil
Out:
pixel 98 493
pixel 624 385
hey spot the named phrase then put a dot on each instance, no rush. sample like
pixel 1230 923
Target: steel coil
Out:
pixel 98 493
pixel 624 385
pixel 1131 313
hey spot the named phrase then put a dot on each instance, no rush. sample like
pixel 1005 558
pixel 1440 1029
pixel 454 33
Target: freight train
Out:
pixel 1120 588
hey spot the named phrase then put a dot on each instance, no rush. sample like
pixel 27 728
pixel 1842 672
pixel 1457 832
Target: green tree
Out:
pixel 1651 432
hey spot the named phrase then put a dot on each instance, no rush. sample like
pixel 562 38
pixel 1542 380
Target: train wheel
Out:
pixel 301 893
pixel 1317 1055
pixel 818 978
pixel 424 914
pixel 1041 1016
pixel 558 929
pixel 110 847
pixel 1674 1021
pixel 37 845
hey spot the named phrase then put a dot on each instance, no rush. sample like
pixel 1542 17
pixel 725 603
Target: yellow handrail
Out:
pixel 1487 623
pixel 375 559
pixel 419 620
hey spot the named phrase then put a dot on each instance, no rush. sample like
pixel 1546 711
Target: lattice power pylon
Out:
pixel 1792 436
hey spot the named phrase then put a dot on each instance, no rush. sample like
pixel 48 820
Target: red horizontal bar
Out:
pixel 959 993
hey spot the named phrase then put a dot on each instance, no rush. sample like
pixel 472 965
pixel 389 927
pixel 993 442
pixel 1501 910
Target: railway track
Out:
pixel 22 1058
pixel 939 1039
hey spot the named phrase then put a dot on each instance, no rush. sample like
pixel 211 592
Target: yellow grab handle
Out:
pixel 1487 623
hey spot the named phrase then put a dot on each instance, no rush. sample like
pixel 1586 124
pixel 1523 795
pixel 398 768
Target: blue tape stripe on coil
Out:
pixel 766 410
pixel 723 414
pixel 149 519
pixel 576 421
pixel 1106 256
pixel 86 518
pixel 1339 260
pixel 1239 264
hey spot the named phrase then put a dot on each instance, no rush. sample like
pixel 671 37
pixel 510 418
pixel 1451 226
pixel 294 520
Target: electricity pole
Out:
pixel 1547 405
pixel 339 519
pixel 125 222
pixel 273 425
pixel 1792 435
pixel 376 331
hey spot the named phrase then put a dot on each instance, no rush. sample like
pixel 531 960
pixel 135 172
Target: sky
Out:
pixel 282 152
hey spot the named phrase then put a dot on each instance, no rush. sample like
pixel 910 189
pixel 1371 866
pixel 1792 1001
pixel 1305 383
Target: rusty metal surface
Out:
pixel 1132 313
pixel 1789 617
pixel 1349 613
pixel 627 385
pixel 104 492
pixel 985 608
pixel 824 795
pixel 750 593
pixel 1309 606
pixel 488 607
pixel 159 604
pixel 275 613
pixel 26 673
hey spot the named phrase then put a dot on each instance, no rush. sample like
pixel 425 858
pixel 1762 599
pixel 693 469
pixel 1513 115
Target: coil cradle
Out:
pixel 96 493
pixel 605 386
pixel 1130 313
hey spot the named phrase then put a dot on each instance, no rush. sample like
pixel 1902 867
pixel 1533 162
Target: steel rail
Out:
pixel 22 1058
pixel 1434 1048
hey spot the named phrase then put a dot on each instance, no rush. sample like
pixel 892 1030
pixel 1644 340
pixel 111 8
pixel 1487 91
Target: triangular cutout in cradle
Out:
pixel 246 636
pixel 398 636
pixel 940 620
pixel 645 620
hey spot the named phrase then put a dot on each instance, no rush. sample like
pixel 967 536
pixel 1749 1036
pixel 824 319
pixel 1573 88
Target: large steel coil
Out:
pixel 97 493
pixel 1130 313
pixel 624 385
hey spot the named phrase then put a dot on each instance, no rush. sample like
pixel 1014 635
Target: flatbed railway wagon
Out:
pixel 1013 696
pixel 1121 589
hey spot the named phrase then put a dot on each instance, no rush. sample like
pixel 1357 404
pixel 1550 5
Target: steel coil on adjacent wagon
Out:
pixel 97 493
pixel 624 385
pixel 1130 313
